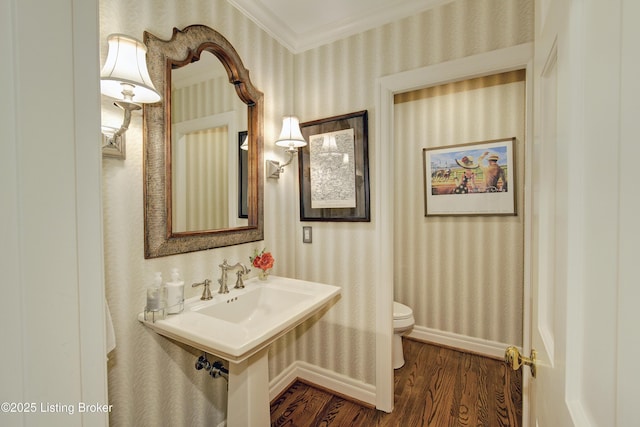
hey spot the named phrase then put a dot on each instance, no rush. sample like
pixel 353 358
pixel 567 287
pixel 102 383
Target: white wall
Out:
pixel 628 315
pixel 51 254
pixel 606 359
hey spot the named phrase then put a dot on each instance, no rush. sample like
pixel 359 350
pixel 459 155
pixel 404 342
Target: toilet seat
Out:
pixel 401 311
pixel 402 317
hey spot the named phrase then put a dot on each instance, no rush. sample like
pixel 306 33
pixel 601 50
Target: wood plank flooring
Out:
pixel 436 387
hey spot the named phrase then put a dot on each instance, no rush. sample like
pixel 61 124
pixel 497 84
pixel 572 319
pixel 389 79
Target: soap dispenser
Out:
pixel 156 300
pixel 175 293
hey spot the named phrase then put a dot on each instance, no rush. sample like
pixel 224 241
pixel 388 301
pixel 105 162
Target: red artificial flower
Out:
pixel 263 261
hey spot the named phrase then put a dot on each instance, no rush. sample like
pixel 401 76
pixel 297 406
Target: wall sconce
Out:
pixel 290 138
pixel 125 77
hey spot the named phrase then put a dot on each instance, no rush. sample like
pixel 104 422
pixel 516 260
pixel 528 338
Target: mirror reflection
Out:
pixel 206 114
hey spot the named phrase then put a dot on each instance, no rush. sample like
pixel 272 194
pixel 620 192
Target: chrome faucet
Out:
pixel 224 289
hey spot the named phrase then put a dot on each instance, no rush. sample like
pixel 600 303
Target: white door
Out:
pixel 583 87
pixel 552 204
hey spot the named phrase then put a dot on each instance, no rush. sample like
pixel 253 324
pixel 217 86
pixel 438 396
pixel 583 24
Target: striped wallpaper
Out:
pixel 151 379
pixel 206 187
pixel 462 275
pixel 340 78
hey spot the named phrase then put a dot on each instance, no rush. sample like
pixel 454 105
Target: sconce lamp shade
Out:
pixel 125 76
pixel 290 136
pixel 245 143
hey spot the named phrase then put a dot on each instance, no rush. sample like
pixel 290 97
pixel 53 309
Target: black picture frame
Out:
pixel 243 177
pixel 359 211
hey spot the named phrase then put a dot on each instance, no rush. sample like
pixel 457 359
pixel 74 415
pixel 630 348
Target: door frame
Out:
pixel 501 60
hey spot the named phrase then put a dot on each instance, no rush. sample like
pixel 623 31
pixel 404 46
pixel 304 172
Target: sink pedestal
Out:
pixel 248 402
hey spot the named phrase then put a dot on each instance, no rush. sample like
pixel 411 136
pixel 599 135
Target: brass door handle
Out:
pixel 515 360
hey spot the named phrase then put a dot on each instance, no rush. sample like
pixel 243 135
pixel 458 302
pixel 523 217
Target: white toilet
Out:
pixel 402 323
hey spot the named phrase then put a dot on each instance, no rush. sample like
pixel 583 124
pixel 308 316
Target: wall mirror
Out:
pixel 191 158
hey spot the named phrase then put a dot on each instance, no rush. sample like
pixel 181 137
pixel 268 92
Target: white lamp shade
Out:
pixel 329 144
pixel 245 143
pixel 290 136
pixel 126 68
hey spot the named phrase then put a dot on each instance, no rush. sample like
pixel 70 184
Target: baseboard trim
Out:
pixel 479 346
pixel 332 381
pixel 366 393
pixel 282 381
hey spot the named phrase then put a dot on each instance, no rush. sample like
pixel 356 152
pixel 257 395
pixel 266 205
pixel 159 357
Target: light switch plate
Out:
pixel 307 234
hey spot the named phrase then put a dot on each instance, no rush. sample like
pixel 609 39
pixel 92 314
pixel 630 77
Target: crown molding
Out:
pixel 298 42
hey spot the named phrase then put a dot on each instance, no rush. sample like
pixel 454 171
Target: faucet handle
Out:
pixel 240 281
pixel 242 271
pixel 206 292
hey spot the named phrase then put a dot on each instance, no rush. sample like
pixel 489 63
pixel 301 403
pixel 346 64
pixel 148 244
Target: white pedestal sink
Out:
pixel 239 327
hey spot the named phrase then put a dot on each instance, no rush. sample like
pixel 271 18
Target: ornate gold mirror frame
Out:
pixel 184 46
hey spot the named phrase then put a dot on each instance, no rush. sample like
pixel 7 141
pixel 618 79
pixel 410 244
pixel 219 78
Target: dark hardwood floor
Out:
pixel 436 387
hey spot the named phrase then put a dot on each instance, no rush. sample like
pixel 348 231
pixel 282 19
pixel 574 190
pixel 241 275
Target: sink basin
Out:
pixel 236 325
pixel 257 305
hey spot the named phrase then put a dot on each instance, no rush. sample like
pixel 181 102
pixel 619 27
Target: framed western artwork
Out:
pixel 470 179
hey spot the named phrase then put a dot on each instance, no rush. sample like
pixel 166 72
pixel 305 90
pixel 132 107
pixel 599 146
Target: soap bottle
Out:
pixel 156 300
pixel 175 293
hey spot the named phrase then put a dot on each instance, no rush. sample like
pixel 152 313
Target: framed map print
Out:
pixel 334 169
